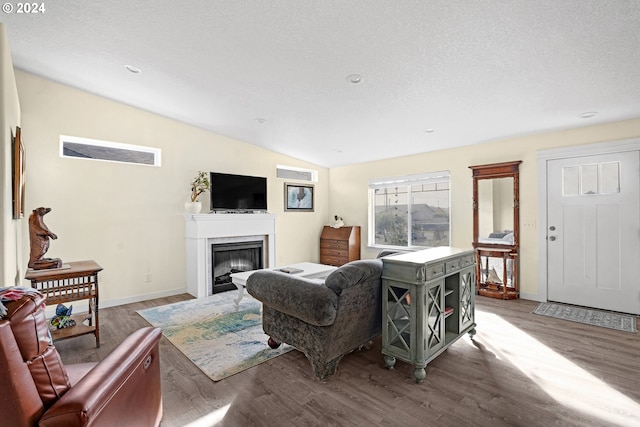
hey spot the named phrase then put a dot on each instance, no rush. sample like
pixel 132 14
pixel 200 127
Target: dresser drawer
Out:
pixel 433 271
pixel 333 260
pixel 334 244
pixel 467 261
pixel 459 263
pixel 453 265
pixel 340 253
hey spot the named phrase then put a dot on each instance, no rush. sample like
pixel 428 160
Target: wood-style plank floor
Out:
pixel 521 369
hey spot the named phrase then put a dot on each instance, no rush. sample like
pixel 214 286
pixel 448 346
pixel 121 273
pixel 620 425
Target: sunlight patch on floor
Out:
pixel 211 419
pixel 560 378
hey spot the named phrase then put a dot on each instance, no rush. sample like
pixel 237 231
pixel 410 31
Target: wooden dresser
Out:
pixel 339 246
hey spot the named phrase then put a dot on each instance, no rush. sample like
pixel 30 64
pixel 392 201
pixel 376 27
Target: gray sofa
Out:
pixel 323 319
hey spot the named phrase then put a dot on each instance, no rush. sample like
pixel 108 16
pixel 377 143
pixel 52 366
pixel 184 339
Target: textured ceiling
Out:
pixel 274 73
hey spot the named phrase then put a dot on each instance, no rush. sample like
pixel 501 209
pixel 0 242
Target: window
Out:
pixel 410 211
pixel 590 179
pixel 85 148
pixel 300 174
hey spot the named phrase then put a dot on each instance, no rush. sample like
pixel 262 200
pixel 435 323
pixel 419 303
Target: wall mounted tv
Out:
pixel 230 192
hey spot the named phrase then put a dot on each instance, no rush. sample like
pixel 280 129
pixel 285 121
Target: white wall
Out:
pixel 10 229
pixel 129 218
pixel 348 185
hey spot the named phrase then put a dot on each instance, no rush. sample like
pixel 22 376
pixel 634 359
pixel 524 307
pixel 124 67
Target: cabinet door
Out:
pixel 467 298
pixel 398 317
pixel 432 327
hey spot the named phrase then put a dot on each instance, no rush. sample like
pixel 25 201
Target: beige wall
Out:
pixel 9 118
pixel 129 218
pixel 349 184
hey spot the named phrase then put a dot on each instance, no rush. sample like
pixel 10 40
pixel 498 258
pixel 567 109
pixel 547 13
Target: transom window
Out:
pixel 93 149
pixel 410 211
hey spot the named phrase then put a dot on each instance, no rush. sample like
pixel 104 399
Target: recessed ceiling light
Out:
pixel 133 69
pixel 354 78
pixel 261 120
pixel 587 115
pixel 429 130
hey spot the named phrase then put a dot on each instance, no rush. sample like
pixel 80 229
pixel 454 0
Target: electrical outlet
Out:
pixel 148 277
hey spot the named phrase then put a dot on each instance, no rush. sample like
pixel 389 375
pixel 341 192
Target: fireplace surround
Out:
pixel 202 231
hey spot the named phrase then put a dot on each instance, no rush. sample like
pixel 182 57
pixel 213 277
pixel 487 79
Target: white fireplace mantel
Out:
pixel 204 229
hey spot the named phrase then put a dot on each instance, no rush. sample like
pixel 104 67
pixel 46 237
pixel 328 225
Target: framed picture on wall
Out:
pixel 18 169
pixel 298 197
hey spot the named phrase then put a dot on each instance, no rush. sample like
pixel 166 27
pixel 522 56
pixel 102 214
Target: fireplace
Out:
pixel 234 257
pixel 204 231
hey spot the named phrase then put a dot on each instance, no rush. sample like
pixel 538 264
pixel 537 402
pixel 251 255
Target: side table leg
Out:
pixel 97 331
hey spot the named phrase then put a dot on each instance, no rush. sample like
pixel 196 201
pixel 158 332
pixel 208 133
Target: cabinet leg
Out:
pixel 419 373
pixel 390 361
pixel 472 333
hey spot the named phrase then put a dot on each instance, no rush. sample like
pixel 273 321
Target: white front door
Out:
pixel 593 231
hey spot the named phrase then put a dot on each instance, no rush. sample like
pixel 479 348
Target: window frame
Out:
pixel 403 181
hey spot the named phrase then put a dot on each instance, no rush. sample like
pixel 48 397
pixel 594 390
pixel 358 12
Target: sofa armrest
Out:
pixel 305 299
pixel 354 273
pixel 123 389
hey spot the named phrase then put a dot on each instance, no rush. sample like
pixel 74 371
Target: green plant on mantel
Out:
pixel 199 185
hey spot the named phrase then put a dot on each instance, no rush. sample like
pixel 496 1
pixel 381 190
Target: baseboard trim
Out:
pixel 145 297
pixel 532 297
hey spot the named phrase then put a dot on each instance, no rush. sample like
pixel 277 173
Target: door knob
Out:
pixel 552 238
pixel 552 228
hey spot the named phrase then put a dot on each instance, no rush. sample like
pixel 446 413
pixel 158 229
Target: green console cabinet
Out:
pixel 428 303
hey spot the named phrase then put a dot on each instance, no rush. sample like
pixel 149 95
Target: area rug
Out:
pixel 213 335
pixel 589 316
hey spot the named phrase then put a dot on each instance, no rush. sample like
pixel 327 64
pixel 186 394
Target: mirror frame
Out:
pixel 493 171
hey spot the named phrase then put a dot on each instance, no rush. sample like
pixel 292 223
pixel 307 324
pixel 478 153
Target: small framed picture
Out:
pixel 298 197
pixel 18 166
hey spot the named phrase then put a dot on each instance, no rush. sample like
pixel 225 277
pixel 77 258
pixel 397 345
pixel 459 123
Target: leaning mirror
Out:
pixel 496 215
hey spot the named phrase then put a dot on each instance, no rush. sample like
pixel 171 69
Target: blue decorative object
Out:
pixel 63 319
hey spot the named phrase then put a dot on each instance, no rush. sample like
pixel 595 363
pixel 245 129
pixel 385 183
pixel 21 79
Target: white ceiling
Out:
pixel 274 73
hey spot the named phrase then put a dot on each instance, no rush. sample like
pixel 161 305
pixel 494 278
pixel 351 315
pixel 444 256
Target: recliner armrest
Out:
pixel 123 389
pixel 305 299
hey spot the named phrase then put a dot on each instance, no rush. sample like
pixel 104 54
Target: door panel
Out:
pixel 593 240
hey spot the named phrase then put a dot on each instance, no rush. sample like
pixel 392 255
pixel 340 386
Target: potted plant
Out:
pixel 199 185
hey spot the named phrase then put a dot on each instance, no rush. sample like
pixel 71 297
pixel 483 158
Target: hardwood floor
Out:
pixel 521 369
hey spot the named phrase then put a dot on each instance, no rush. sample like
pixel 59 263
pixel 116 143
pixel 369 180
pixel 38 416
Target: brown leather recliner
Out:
pixel 36 389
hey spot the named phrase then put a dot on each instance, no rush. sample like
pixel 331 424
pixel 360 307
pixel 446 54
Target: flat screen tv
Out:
pixel 230 192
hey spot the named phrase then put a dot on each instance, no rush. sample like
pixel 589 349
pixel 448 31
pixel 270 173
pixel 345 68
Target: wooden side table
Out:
pixel 486 286
pixel 75 281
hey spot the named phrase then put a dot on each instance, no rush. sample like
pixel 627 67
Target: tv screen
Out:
pixel 237 192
